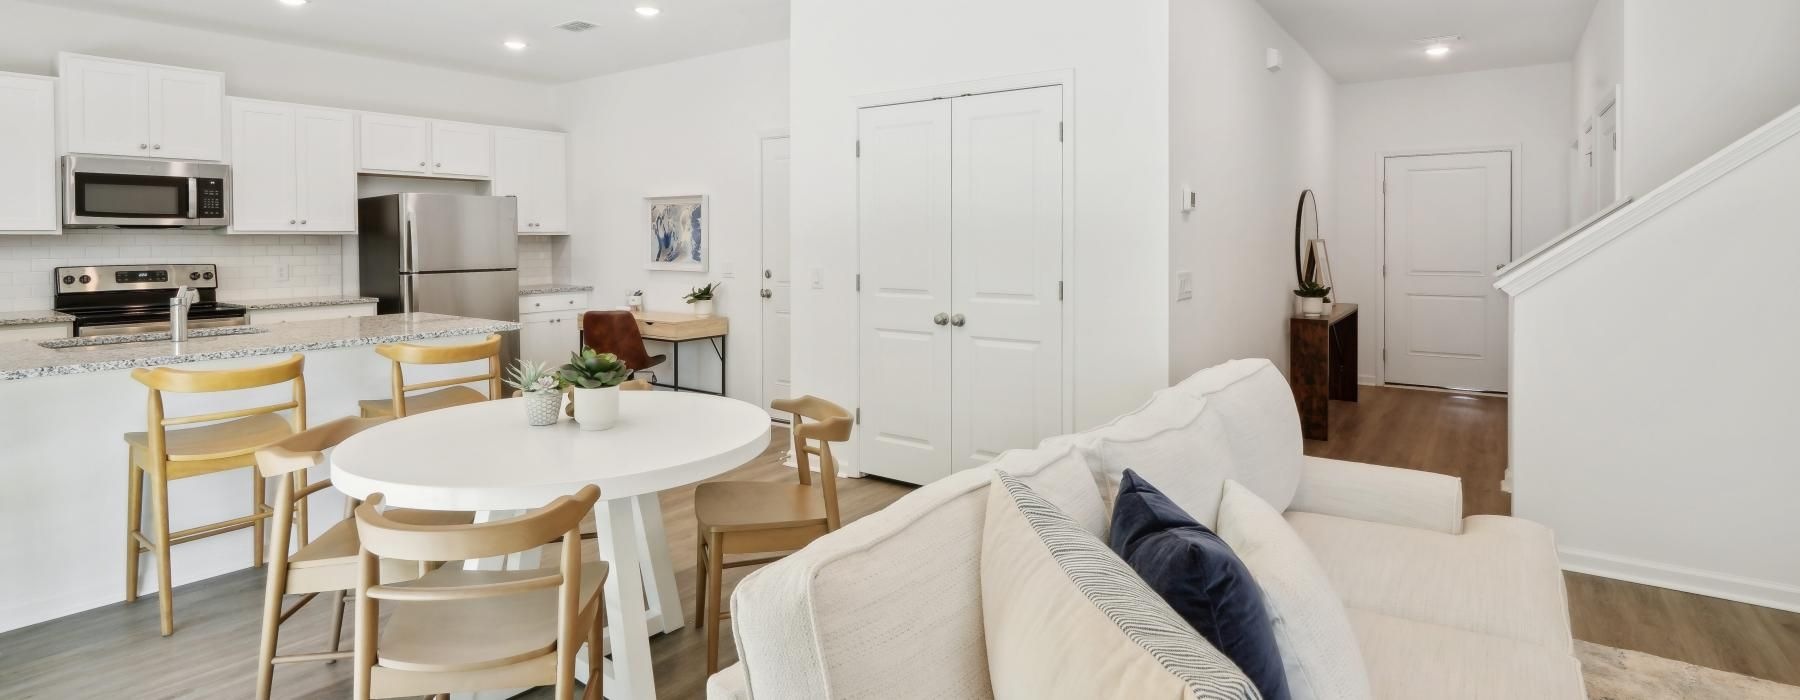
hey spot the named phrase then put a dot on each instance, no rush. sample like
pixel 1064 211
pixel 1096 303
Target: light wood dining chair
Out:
pixel 761 517
pixel 228 441
pixel 449 392
pixel 329 563
pixel 455 630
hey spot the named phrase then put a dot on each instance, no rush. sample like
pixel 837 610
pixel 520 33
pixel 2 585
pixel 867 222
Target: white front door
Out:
pixel 777 283
pixel 1006 262
pixel 1449 222
pixel 903 216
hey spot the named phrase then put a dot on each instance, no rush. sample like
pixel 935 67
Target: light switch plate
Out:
pixel 818 278
pixel 1184 285
pixel 727 270
pixel 1188 200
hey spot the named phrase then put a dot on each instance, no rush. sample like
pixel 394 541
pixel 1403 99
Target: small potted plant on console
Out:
pixel 702 298
pixel 1312 297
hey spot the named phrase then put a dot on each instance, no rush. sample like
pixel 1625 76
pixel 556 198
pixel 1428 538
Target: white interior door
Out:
pixel 1605 170
pixel 777 282
pixel 903 218
pixel 1006 263
pixel 1449 226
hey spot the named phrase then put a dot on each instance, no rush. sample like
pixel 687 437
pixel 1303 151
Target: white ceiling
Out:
pixel 467 34
pixel 1359 40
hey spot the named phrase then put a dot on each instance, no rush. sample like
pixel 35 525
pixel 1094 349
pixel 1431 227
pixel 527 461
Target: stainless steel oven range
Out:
pixel 128 299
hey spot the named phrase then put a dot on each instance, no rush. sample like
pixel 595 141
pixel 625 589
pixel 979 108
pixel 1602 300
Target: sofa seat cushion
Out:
pixel 732 683
pixel 1499 577
pixel 1411 660
pixel 1064 617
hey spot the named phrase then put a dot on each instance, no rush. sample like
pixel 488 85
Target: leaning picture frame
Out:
pixel 678 235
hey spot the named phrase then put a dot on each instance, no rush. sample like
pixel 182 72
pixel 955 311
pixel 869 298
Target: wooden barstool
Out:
pixel 760 517
pixel 229 442
pixel 448 393
pixel 329 563
pixel 457 630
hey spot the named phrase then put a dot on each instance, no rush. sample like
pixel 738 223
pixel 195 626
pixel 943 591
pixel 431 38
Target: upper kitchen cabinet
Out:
pixel 27 154
pixel 293 168
pixel 127 108
pixel 413 146
pixel 533 166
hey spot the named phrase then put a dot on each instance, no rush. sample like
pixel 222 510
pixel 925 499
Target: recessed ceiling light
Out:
pixel 1438 46
pixel 514 44
pixel 293 3
pixel 1437 51
pixel 648 9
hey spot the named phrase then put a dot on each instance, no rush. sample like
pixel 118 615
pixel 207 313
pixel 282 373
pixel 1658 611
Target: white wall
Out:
pixel 1599 66
pixel 1248 141
pixel 1702 74
pixel 1525 107
pixel 845 50
pixel 1653 406
pixel 690 127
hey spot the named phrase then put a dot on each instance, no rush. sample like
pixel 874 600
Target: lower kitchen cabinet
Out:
pixel 550 327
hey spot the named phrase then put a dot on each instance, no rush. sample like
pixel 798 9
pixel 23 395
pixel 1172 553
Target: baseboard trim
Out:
pixel 1768 594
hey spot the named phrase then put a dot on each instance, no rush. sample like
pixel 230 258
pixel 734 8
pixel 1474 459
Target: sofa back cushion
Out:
pixel 1256 410
pixel 1066 618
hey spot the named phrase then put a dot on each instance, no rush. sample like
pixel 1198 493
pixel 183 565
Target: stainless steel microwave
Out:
pixel 102 192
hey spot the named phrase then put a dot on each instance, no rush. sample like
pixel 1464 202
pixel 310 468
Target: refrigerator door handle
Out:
pixel 406 248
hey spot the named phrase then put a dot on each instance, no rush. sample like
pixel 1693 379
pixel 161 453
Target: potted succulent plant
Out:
pixel 1312 297
pixel 594 379
pixel 541 388
pixel 702 298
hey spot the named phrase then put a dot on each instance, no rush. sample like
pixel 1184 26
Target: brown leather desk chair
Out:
pixel 617 332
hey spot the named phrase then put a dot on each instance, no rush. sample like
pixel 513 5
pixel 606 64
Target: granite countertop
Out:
pixel 26 359
pixel 301 302
pixel 535 289
pixel 28 318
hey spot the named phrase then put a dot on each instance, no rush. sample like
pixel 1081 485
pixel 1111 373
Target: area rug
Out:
pixel 1622 674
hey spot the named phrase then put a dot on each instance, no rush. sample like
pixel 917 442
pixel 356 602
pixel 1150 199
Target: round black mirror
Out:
pixel 1306 230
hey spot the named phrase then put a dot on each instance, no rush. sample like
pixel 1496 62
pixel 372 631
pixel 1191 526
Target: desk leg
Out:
pixel 663 597
pixel 722 366
pixel 675 363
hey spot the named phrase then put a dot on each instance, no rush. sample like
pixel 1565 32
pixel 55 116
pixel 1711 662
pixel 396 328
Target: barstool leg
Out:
pixel 304 530
pixel 134 521
pixel 271 631
pixel 159 504
pixel 337 621
pixel 700 577
pixel 257 504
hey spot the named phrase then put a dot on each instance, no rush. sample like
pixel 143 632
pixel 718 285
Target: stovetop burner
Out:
pixel 135 298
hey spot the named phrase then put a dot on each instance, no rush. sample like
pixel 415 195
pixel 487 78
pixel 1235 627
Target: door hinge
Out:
pixel 1059 290
pixel 859 148
pixel 1384 187
pixel 1384 269
pixel 859 281
pixel 1059 132
pixel 859 415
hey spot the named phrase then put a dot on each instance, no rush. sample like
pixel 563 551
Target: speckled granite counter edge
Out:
pixel 33 318
pixel 231 354
pixel 536 289
pixel 302 302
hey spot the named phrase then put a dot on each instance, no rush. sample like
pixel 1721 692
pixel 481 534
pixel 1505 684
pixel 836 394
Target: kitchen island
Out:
pixel 65 405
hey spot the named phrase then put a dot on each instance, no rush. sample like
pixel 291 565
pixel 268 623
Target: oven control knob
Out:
pixel 206 276
pixel 68 279
pixel 193 275
pixel 86 279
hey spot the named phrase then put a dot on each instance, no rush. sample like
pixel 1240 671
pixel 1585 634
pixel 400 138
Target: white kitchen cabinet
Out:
pixel 550 326
pixel 533 166
pixel 394 144
pixel 462 150
pixel 37 331
pixel 28 176
pixel 293 168
pixel 127 108
pixel 263 317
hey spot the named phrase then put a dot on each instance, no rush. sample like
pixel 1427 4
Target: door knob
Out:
pixel 957 320
pixel 768 274
pixel 940 319
pixel 766 294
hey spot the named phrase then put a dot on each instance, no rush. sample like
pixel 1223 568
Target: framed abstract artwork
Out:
pixel 678 232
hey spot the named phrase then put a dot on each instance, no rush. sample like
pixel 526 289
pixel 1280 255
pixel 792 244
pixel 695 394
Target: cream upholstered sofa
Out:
pixel 1442 606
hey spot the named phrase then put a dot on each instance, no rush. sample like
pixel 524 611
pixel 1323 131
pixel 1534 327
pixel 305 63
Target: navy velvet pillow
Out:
pixel 1199 576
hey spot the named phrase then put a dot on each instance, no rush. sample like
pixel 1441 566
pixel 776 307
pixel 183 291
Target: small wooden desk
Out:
pixel 1322 365
pixel 678 328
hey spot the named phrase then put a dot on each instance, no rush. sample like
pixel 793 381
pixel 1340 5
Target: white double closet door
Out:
pixel 960 216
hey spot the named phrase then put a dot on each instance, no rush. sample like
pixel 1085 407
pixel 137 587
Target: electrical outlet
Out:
pixel 818 278
pixel 280 272
pixel 1184 285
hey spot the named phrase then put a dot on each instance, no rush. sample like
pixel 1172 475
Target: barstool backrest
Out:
pixel 181 381
pixel 409 354
pixel 829 423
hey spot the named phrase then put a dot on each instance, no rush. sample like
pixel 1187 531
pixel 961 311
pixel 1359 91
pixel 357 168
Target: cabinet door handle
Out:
pixel 291 222
pixel 941 319
pixel 421 164
pixel 303 222
pixel 437 165
pixel 766 294
pixel 957 320
pixel 143 146
pixel 156 147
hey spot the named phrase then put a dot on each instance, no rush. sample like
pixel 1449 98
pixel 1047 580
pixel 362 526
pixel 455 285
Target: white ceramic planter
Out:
pixel 1312 306
pixel 596 409
pixel 703 308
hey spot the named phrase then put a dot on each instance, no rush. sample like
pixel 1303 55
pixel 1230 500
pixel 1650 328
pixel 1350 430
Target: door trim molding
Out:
pixel 1379 302
pixel 1064 79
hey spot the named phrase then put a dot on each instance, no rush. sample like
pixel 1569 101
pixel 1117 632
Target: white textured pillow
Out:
pixel 1318 646
pixel 1064 617
pixel 1175 443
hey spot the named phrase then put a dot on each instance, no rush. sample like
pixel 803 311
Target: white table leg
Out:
pixel 659 573
pixel 627 631
pixel 510 562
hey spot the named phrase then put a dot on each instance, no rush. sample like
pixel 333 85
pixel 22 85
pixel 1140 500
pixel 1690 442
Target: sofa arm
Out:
pixel 731 683
pixel 1390 495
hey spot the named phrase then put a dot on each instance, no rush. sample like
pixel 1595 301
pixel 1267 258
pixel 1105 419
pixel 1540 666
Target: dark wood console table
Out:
pixel 1322 365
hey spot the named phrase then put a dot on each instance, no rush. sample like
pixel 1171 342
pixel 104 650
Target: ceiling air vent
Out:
pixel 576 25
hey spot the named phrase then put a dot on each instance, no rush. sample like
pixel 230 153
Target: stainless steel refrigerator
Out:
pixel 442 253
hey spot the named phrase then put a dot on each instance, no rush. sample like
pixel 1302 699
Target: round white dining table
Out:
pixel 483 457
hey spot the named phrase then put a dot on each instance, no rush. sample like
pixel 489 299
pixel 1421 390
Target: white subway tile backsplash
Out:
pixel 315 262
